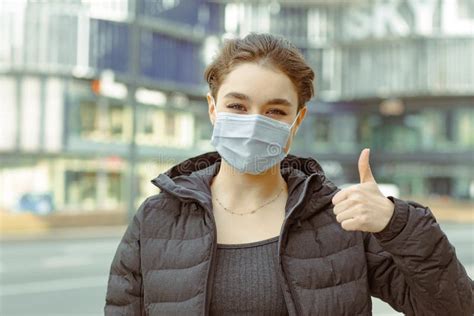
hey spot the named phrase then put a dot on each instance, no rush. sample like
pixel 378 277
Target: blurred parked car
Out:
pixel 38 203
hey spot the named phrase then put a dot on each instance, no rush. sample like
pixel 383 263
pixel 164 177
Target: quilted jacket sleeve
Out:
pixel 124 289
pixel 413 267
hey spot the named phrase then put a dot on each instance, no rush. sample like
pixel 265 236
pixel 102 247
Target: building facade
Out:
pixel 101 96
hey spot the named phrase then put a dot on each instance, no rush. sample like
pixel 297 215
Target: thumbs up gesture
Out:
pixel 362 206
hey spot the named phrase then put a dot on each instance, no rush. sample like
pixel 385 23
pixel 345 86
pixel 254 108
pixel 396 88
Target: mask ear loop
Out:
pixel 296 118
pixel 291 126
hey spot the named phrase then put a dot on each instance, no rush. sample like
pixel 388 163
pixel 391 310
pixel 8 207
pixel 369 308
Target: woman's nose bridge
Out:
pixel 256 108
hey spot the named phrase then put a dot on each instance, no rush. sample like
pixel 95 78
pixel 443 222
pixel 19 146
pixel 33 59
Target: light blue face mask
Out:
pixel 251 143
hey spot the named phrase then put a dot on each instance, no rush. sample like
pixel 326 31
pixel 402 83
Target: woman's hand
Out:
pixel 362 206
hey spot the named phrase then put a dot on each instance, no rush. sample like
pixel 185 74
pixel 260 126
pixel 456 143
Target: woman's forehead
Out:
pixel 258 83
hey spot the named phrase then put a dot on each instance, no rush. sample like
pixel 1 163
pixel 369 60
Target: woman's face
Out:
pixel 253 89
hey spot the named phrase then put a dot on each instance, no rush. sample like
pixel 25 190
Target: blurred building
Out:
pixel 75 75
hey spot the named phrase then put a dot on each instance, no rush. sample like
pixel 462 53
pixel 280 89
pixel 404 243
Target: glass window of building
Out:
pixel 322 128
pixel 345 134
pixel 170 123
pixel 145 124
pixel 465 127
pixel 440 186
pixel 392 133
pixel 114 190
pixel 81 188
pixel 88 119
pixel 117 117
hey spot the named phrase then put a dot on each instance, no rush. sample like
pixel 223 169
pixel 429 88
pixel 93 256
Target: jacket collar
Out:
pixel 190 179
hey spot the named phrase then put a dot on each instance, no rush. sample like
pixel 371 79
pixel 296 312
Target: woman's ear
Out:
pixel 210 107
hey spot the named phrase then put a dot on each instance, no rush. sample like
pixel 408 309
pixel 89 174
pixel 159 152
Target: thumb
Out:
pixel 365 173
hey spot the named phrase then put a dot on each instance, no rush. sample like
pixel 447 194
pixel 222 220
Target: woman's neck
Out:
pixel 235 187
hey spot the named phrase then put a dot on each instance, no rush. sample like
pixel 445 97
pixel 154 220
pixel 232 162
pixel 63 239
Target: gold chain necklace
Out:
pixel 251 212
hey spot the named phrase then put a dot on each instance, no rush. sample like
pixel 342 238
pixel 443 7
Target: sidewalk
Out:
pixel 27 226
pixel 94 232
pixel 449 211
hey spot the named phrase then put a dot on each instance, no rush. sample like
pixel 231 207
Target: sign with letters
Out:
pixel 401 18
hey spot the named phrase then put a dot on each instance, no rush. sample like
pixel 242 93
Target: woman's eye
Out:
pixel 277 112
pixel 236 106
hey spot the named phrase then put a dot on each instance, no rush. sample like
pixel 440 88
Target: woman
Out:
pixel 251 229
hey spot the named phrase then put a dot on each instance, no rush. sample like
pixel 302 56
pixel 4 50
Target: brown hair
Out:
pixel 264 49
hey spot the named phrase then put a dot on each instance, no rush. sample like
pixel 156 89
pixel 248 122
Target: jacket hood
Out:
pixel 191 179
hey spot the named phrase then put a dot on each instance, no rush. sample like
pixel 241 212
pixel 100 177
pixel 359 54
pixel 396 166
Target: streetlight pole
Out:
pixel 134 68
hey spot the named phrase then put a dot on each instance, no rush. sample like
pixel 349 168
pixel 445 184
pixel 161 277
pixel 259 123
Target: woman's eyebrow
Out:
pixel 241 96
pixel 237 95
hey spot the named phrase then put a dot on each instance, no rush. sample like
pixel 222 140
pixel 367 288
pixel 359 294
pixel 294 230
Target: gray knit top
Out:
pixel 246 281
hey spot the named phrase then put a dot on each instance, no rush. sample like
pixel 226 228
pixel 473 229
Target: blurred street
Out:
pixel 100 97
pixel 58 277
pixel 68 276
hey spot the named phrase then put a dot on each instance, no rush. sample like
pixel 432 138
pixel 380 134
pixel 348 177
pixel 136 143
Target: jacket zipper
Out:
pixel 211 269
pixel 283 228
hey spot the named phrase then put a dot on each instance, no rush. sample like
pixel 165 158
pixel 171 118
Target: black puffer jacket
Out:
pixel 165 261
